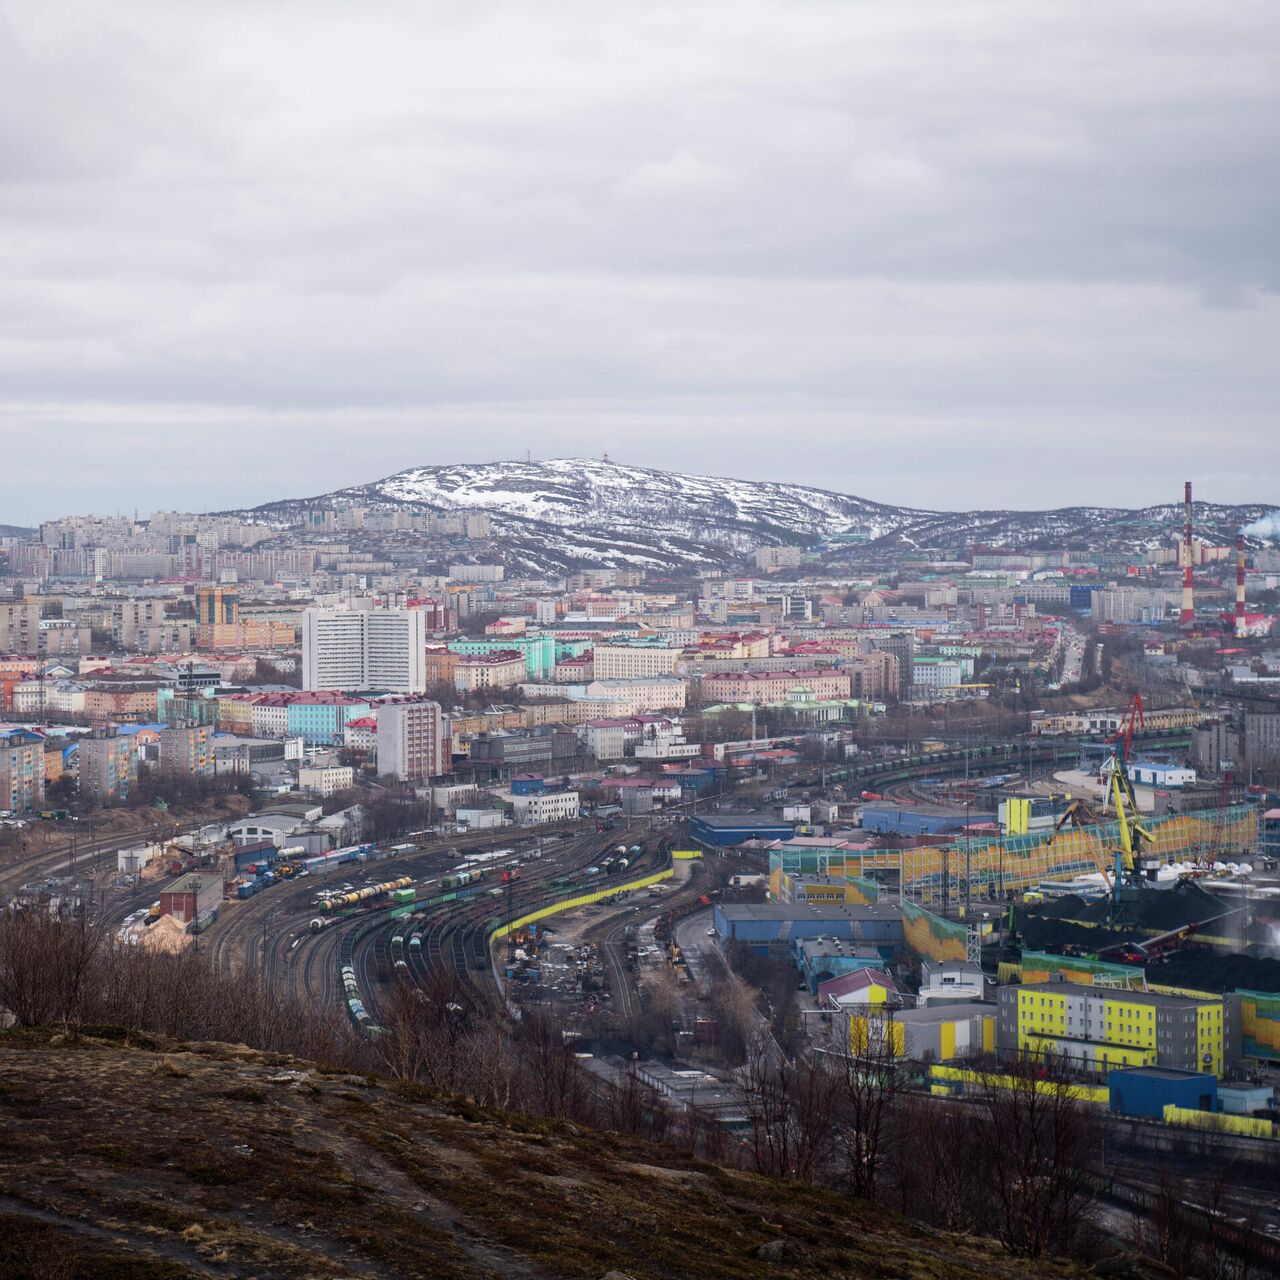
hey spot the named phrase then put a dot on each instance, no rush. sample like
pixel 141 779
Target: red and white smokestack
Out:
pixel 1188 617
pixel 1242 626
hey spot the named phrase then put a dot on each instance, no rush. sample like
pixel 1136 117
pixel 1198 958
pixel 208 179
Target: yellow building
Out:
pixel 235 712
pixel 1101 1028
pixel 938 1033
pixel 247 633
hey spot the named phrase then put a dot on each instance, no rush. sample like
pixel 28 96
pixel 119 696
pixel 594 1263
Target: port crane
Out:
pixel 1120 795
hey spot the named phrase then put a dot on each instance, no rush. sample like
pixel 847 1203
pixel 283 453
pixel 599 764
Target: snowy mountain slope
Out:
pixel 580 492
pixel 1114 529
pixel 556 514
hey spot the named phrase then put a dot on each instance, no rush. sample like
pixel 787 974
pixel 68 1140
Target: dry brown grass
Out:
pixel 177 1160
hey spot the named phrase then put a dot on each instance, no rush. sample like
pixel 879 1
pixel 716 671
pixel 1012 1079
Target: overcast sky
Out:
pixel 944 253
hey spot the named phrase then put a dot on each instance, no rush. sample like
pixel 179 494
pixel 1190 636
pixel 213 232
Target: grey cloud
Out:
pixel 987 228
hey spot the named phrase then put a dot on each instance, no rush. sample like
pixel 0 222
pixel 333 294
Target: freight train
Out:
pixel 460 878
pixel 341 901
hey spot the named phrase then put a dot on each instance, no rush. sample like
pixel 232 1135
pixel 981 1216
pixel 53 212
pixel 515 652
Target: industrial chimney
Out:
pixel 1188 617
pixel 1242 626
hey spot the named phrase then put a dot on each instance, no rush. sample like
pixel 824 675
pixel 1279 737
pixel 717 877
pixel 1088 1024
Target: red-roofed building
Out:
pixel 859 987
pixel 361 734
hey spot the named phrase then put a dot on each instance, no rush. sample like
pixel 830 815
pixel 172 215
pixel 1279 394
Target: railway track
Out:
pixel 455 939
pixel 236 939
pixel 55 862
pixel 613 945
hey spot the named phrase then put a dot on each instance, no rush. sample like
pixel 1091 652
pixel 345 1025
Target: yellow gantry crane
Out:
pixel 1120 794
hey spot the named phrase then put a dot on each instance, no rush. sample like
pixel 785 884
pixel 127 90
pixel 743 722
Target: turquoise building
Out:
pixel 319 718
pixel 539 652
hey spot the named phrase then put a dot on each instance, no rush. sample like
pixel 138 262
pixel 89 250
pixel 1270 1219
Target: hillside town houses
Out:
pixel 358 644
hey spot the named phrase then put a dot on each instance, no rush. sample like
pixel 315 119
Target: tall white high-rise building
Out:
pixel 356 649
pixel 411 740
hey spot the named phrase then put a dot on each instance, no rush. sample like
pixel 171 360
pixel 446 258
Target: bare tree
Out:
pixel 1048 1151
pixel 552 1080
pixel 790 1106
pixel 46 965
pixel 867 1080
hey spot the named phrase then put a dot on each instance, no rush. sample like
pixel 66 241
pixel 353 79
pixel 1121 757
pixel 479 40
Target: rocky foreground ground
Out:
pixel 131 1157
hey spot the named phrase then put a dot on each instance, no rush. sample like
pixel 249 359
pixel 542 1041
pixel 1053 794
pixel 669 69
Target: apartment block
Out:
pixel 1261 739
pixel 359 649
pixel 773 686
pixel 502 669
pixel 130 618
pixel 187 750
pixel 19 628
pixel 107 765
pixel 634 661
pixel 320 718
pixel 412 741
pixel 21 771
pixel 632 697
pixel 770 559
pixel 538 651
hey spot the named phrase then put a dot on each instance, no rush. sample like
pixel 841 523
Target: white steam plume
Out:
pixel 1267 526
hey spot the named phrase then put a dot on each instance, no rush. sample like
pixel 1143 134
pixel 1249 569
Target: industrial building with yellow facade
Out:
pixel 1100 1029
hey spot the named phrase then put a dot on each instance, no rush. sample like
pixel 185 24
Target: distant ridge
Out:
pixel 565 512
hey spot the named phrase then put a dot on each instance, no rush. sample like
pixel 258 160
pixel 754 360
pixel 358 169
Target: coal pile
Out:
pixel 1041 934
pixel 1205 971
pixel 1151 910
pixel 1069 907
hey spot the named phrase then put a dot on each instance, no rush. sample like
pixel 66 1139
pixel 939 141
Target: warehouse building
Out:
pixel 856 988
pixel 1146 1091
pixel 545 806
pixel 726 830
pixel 944 1032
pixel 191 896
pixel 777 926
pixel 892 819
pixel 940 1034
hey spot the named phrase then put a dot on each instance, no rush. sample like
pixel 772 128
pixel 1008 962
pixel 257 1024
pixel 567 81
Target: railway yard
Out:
pixel 435 911
pixel 606 930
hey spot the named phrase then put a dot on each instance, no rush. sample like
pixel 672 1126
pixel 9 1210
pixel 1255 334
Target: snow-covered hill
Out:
pixel 566 512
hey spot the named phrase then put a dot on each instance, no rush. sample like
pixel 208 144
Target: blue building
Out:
pixel 889 818
pixel 698 780
pixel 538 651
pixel 1269 835
pixel 319 718
pixel 823 958
pixel 727 829
pixel 1146 1091
pixel 528 784
pixel 779 926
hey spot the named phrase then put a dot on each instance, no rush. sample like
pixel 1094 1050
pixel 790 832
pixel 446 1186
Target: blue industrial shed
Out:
pixel 725 830
pixel 894 819
pixel 1146 1091
pixel 780 925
